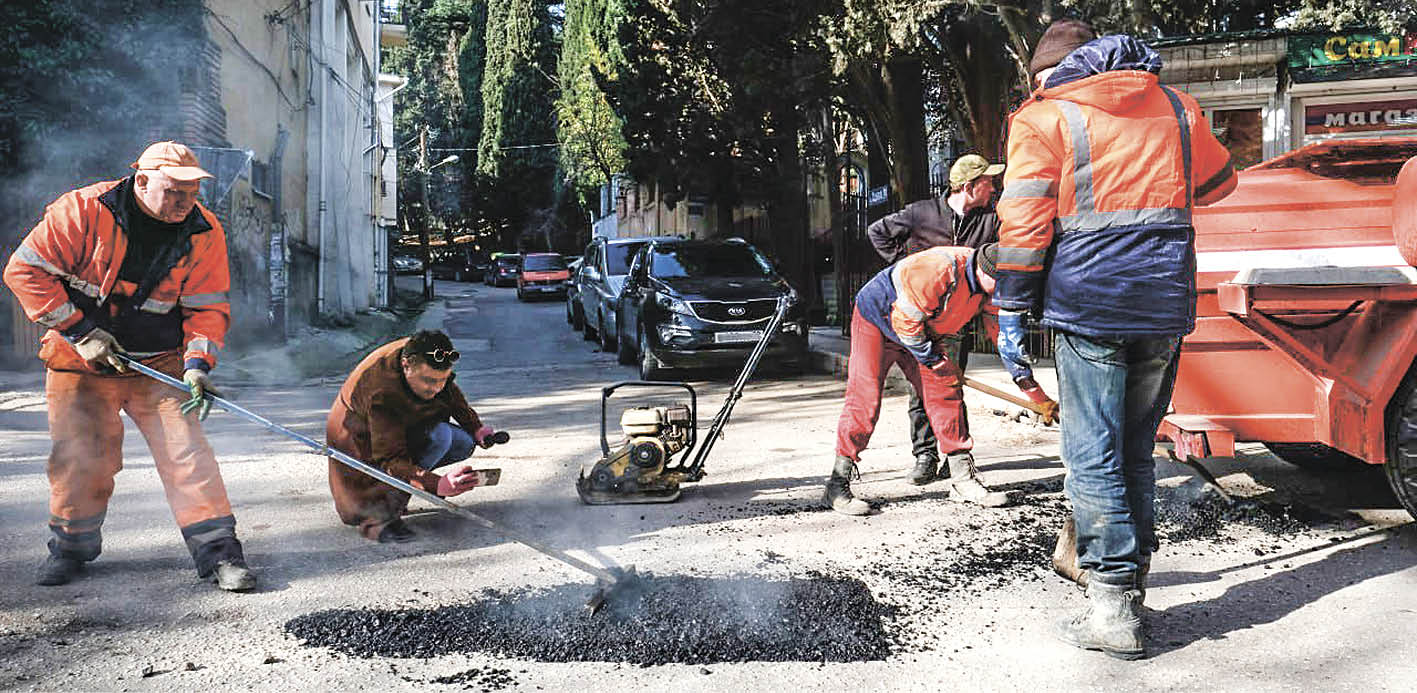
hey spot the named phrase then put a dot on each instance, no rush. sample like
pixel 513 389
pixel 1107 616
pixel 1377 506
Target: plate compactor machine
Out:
pixel 642 468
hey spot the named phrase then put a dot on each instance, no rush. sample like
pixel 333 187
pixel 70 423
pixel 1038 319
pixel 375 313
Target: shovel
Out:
pixel 607 581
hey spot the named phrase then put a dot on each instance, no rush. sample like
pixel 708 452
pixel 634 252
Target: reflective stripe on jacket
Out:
pixel 930 294
pixel 1098 193
pixel 65 276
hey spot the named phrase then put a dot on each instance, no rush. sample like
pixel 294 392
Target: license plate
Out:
pixel 732 337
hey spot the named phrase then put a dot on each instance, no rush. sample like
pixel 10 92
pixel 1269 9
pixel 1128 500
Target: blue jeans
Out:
pixel 1112 396
pixel 447 443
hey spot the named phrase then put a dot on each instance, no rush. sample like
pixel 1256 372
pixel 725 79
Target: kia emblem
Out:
pixel 737 311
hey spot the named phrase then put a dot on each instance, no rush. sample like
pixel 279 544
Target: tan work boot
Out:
pixel 838 494
pixel 1110 622
pixel 1065 554
pixel 965 486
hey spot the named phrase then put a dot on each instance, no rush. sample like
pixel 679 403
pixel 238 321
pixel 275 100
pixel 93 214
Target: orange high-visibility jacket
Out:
pixel 65 275
pixel 926 296
pixel 1104 165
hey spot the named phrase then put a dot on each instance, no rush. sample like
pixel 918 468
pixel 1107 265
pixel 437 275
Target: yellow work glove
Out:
pixel 98 347
pixel 201 387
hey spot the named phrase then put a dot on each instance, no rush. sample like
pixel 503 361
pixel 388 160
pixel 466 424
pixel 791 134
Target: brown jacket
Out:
pixel 372 420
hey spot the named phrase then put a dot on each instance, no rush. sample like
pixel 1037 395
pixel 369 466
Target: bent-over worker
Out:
pixel 134 264
pixel 910 315
pixel 393 412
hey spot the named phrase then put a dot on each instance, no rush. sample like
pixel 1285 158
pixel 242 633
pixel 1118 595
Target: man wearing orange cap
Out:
pixel 133 266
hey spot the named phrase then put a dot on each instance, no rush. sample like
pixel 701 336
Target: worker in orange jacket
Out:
pixel 1104 168
pixel 132 266
pixel 910 314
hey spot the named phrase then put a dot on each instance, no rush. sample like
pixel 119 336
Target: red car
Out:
pixel 542 274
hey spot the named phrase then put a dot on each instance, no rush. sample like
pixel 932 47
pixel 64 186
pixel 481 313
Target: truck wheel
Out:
pixel 588 330
pixel 1316 457
pixel 1401 464
pixel 577 318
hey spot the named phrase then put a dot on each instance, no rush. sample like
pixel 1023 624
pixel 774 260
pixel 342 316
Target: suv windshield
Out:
pixel 505 261
pixel 619 255
pixel 543 263
pixel 708 260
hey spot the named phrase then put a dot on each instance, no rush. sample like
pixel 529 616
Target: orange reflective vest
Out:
pixel 65 275
pixel 927 296
pixel 1104 166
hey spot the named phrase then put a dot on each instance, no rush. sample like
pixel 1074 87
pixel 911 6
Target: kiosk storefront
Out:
pixel 1269 92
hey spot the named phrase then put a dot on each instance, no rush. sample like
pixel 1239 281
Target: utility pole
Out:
pixel 427 215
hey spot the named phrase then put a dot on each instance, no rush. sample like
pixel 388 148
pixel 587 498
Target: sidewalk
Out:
pixel 829 351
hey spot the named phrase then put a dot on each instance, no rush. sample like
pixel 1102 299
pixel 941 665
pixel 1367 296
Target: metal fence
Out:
pixel 855 261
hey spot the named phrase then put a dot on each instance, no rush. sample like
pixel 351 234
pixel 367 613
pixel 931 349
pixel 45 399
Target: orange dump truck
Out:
pixel 1306 329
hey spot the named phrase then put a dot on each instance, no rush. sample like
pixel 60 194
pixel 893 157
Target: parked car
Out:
pixel 407 264
pixel 458 264
pixel 542 274
pixel 691 303
pixel 572 292
pixel 502 271
pixel 597 287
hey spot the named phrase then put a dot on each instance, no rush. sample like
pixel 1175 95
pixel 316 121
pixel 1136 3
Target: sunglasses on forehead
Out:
pixel 443 355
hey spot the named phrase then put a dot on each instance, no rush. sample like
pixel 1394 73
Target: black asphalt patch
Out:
pixel 663 620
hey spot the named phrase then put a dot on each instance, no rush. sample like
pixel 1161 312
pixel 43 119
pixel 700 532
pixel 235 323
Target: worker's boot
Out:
pixel 233 577
pixel 838 494
pixel 58 571
pixel 965 486
pixel 924 470
pixel 1110 622
pixel 1065 555
pixel 396 532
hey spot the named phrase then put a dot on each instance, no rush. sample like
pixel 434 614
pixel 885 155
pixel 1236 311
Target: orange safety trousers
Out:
pixel 87 454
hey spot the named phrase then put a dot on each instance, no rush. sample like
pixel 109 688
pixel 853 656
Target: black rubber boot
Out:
pixel 924 470
pixel 838 494
pixel 58 571
pixel 1110 622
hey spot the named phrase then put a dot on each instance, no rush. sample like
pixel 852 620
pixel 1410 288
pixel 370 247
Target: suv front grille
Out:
pixel 735 311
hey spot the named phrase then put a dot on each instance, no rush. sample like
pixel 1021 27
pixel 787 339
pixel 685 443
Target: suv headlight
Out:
pixel 672 304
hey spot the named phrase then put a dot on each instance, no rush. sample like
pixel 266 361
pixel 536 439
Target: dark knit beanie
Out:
pixel 987 258
pixel 1060 39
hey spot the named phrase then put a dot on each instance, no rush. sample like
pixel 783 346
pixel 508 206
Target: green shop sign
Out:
pixel 1358 55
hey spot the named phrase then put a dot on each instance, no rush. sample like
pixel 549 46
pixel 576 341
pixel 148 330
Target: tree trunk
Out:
pixel 904 86
pixel 787 215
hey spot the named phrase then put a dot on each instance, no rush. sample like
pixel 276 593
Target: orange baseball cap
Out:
pixel 178 161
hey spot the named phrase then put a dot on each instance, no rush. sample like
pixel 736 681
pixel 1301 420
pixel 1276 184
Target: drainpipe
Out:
pixel 327 20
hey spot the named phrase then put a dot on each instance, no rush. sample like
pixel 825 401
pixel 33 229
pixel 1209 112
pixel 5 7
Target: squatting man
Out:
pixel 394 411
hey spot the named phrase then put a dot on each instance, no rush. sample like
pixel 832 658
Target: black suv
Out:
pixel 689 303
pixel 597 287
pixel 458 264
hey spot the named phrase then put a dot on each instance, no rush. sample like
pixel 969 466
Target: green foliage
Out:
pixel 587 129
pixel 518 95
pixel 84 86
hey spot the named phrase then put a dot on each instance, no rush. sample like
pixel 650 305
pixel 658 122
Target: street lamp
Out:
pixel 423 230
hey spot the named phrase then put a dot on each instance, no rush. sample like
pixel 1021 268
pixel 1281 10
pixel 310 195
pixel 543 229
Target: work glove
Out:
pixel 1048 408
pixel 1012 350
pixel 200 385
pixel 458 481
pixel 486 437
pixel 98 347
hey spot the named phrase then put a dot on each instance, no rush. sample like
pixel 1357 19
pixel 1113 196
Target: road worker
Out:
pixel 963 217
pixel 910 315
pixel 1105 166
pixel 400 411
pixel 133 266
